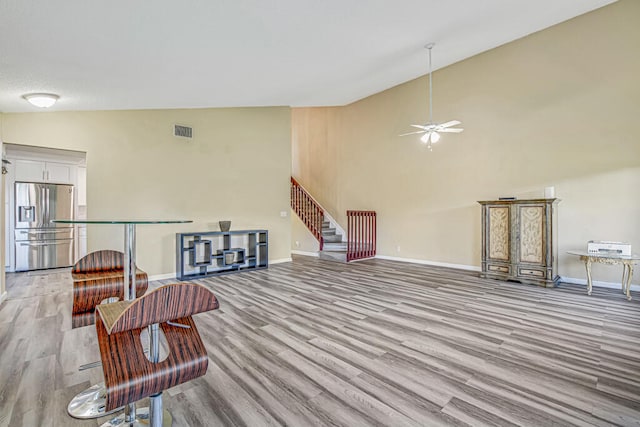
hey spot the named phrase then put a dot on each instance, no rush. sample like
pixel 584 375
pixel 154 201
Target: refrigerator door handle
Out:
pixel 56 242
pixel 47 221
pixel 43 208
pixel 52 230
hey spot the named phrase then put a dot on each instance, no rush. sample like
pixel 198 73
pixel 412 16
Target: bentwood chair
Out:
pixel 98 277
pixel 129 373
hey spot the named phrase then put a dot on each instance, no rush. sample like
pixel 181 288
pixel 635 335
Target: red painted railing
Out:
pixel 308 210
pixel 361 235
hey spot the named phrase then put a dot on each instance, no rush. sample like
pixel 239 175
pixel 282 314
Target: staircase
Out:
pixel 361 231
pixel 334 249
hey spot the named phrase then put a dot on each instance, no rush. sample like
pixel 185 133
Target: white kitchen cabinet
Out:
pixel 59 173
pixel 7 228
pixel 82 186
pixel 39 171
pixel 82 241
pixel 8 212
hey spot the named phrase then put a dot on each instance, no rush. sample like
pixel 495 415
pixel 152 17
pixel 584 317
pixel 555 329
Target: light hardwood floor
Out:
pixel 371 343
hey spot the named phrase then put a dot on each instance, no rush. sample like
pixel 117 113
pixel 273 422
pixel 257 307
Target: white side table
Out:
pixel 627 267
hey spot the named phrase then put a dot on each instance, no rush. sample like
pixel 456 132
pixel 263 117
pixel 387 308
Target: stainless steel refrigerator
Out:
pixel 39 243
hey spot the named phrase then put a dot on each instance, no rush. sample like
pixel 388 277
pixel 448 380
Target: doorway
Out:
pixel 32 242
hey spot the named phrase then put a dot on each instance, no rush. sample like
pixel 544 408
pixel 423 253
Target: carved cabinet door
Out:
pixel 498 233
pixel 531 234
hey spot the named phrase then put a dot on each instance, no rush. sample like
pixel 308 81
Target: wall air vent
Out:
pixel 183 131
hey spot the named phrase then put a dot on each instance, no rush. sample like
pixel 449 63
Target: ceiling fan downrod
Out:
pixel 431 130
pixel 429 47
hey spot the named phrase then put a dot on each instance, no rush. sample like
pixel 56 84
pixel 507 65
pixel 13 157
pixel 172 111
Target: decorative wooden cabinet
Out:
pixel 218 252
pixel 519 241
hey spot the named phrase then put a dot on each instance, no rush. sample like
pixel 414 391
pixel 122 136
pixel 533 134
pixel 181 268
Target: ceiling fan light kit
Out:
pixel 431 137
pixel 431 131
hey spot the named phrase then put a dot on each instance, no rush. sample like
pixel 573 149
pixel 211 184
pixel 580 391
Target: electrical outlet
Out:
pixel 398 248
pixel 283 214
pixel 297 244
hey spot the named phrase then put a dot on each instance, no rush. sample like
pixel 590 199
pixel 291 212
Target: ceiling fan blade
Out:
pixel 452 130
pixel 412 133
pixel 449 124
pixel 423 127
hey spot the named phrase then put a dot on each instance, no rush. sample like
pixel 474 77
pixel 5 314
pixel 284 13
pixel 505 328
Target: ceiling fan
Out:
pixel 432 130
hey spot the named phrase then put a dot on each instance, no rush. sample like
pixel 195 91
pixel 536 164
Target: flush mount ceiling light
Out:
pixel 432 130
pixel 42 100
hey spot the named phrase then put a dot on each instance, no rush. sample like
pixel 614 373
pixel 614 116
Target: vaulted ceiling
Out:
pixel 105 55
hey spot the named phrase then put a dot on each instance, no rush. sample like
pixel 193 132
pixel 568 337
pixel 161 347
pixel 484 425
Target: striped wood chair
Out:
pixel 99 276
pixel 129 374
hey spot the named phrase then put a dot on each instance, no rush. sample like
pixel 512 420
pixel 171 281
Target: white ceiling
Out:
pixel 137 54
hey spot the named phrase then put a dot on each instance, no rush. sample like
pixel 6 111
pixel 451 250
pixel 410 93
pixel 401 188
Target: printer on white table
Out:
pixel 603 247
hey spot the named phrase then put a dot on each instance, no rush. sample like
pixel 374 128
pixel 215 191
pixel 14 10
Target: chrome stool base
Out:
pixel 142 419
pixel 90 403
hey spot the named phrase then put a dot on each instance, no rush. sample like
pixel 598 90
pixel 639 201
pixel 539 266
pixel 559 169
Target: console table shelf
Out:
pixel 220 252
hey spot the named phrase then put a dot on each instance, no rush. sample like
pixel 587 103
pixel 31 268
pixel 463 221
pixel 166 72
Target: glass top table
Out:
pixel 122 221
pixel 627 262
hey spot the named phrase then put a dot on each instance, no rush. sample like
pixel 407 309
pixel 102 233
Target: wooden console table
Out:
pixel 627 267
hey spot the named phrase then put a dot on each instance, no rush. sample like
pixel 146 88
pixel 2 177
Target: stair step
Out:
pixel 335 247
pixel 333 256
pixel 328 231
pixel 326 224
pixel 333 238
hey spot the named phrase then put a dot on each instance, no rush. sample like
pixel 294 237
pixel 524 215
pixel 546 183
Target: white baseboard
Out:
pixel 173 275
pixel 572 280
pixel 433 263
pixel 304 253
pixel 162 276
pixel 613 285
pixel 3 297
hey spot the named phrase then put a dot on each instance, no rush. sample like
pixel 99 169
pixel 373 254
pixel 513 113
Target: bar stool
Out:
pixel 97 277
pixel 129 374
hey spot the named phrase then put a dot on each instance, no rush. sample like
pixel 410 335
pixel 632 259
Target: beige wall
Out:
pixel 315 147
pixel 557 108
pixel 236 168
pixel 301 239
